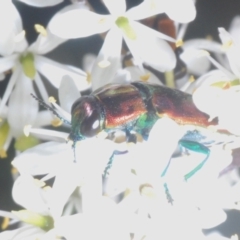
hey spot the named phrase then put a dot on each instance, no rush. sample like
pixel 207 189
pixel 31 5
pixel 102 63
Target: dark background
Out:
pixel 211 14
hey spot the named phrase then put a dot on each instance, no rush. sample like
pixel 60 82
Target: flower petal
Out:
pixel 26 193
pixel 145 9
pixel 45 44
pixel 54 72
pixel 26 233
pixel 206 100
pixel 16 72
pixel 205 44
pixel 137 74
pixel 180 11
pixel 107 222
pixel 116 7
pixel 22 102
pixel 234 29
pixel 61 191
pixel 12 26
pixel 44 158
pixel 44 118
pixel 76 22
pixel 150 49
pixel 67 93
pixel 40 3
pixel 159 134
pixel 110 53
pixel 232 50
pixel 6 63
pixel 196 64
pixel 88 61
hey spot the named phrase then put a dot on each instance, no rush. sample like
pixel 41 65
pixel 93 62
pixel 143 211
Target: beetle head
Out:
pixel 87 118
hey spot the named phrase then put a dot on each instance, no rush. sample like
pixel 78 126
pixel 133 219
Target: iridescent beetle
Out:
pixel 135 107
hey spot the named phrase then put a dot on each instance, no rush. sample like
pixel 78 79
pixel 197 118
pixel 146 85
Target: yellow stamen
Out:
pixel 128 63
pixel 179 43
pixel 227 45
pixel 14 171
pixel 47 188
pixel 104 64
pixel 40 29
pixel 89 78
pixel 52 100
pixel 56 122
pixel 3 153
pixel 27 130
pixel 5 223
pixel 39 183
pixel 209 37
pixel 203 53
pixel 191 79
pixel 147 191
pixel 145 77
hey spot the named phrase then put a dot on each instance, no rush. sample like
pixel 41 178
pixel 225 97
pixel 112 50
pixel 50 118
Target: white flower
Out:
pixel 36 218
pixel 105 221
pixel 39 3
pixel 217 92
pixel 27 61
pixel 137 174
pixel 13 123
pixel 145 192
pixel 144 43
pixel 197 64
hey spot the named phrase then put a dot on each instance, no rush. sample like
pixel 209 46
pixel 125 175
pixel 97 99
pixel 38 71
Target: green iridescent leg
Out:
pixel 129 138
pixel 109 164
pixel 169 197
pixel 193 146
pixel 196 147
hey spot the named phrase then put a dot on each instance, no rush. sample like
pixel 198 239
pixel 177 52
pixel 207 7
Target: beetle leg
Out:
pixel 196 147
pixel 167 192
pixel 131 138
pixel 169 197
pixel 109 164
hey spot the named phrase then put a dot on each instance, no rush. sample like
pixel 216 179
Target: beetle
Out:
pixel 135 107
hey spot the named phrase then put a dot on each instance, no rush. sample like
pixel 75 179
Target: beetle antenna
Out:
pixel 74 150
pixel 41 102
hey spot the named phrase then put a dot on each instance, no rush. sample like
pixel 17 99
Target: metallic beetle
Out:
pixel 134 107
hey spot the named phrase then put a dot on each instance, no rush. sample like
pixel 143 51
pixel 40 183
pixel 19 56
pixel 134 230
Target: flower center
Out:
pixel 23 143
pixel 4 130
pixel 124 25
pixel 28 66
pixel 44 222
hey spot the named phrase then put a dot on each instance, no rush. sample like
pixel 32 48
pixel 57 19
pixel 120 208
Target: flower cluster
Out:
pixel 135 159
